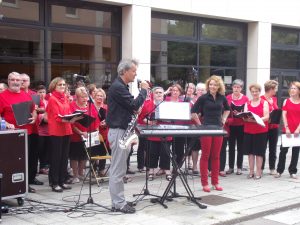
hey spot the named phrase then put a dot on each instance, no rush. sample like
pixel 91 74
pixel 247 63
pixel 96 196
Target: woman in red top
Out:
pixel 291 122
pixel 176 92
pixel 271 87
pixel 156 149
pixel 101 107
pixel 60 131
pixel 255 137
pixel 237 101
pixel 78 154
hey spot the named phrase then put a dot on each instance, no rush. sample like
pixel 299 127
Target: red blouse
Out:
pixel 94 125
pixel 254 128
pixel 292 115
pixel 231 120
pixel 55 125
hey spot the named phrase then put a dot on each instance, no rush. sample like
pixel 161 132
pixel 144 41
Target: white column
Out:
pixel 259 53
pixel 136 39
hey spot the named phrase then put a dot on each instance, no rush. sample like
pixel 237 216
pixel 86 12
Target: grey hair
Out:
pixel 200 85
pixel 25 75
pixel 125 65
pixel 238 82
pixel 157 87
pixel 13 74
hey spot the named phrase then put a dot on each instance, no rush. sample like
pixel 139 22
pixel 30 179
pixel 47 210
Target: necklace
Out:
pixel 236 98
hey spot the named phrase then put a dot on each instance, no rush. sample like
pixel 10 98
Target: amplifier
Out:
pixel 13 164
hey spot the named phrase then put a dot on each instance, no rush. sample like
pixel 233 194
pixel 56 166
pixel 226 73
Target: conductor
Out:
pixel 121 107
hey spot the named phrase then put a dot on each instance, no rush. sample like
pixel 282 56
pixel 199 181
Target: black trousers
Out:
pixel 32 157
pixel 60 146
pixel 157 151
pixel 141 153
pixel 236 137
pixel 44 149
pixel 272 140
pixel 282 159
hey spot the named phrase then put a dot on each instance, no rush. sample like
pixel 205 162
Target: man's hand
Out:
pixel 145 85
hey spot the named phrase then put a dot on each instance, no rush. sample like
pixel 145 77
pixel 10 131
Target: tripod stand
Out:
pixel 146 191
pixel 87 147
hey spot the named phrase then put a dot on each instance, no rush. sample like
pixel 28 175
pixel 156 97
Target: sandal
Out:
pixel 168 177
pixel 151 176
pixel 160 172
pixel 257 177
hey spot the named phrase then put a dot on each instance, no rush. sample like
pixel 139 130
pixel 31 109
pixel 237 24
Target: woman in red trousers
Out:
pixel 214 108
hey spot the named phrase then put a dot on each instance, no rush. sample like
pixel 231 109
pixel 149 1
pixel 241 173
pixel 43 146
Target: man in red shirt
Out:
pixel 14 95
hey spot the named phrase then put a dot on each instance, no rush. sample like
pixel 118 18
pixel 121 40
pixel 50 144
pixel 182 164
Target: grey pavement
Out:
pixel 243 201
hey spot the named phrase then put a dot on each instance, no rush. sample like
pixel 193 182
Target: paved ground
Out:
pixel 243 201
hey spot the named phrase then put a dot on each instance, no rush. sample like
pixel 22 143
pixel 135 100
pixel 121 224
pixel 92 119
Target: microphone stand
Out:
pixel 146 190
pixel 90 198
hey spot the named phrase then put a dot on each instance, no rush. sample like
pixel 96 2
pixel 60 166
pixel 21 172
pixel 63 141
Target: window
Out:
pixel 10 3
pixel 72 12
pixel 181 43
pixel 285 37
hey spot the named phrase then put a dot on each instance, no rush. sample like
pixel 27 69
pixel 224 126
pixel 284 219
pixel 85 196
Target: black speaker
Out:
pixel 13 164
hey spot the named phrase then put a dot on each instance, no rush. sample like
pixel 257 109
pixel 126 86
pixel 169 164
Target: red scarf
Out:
pixel 60 96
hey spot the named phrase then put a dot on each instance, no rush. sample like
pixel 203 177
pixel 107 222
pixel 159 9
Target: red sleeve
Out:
pixel 53 108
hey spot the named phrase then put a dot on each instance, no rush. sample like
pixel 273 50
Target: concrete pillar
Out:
pixel 136 39
pixel 259 53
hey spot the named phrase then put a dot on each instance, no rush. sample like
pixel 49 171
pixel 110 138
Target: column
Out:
pixel 136 39
pixel 259 53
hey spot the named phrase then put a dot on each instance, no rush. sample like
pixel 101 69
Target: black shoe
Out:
pixel 36 182
pixel 130 172
pixel 126 209
pixel 31 190
pixel 57 188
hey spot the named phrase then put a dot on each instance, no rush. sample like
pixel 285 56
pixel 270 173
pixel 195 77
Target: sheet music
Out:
pixel 290 141
pixel 94 139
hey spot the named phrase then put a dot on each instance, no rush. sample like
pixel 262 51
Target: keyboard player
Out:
pixel 214 109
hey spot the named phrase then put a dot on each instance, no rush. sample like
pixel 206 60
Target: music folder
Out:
pixel 173 111
pixel 237 108
pixel 22 112
pixel 251 115
pixel 86 120
pixel 71 116
pixel 275 116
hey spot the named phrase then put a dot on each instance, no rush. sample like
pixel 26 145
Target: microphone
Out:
pixel 79 76
pixel 138 83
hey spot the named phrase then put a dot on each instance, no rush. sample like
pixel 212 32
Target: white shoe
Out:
pixel 277 175
pixel 294 176
pixel 273 172
pixel 75 180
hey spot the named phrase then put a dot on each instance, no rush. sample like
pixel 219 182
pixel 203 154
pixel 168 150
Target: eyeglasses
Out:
pixel 61 85
pixel 14 80
pixel 158 92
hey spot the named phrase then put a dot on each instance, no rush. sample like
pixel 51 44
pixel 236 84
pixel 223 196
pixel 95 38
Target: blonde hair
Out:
pixel 178 87
pixel 219 82
pixel 295 83
pixel 80 92
pixel 270 84
pixel 255 86
pixel 101 91
pixel 54 82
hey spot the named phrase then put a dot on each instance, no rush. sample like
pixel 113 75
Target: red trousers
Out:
pixel 210 147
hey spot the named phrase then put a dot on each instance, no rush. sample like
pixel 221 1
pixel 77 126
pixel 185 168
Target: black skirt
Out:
pixel 255 144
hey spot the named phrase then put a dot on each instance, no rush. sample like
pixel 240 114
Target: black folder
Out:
pixel 86 120
pixel 22 112
pixel 275 116
pixel 36 99
pixel 102 113
pixel 71 116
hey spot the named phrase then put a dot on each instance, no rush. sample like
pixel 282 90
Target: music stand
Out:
pixel 90 198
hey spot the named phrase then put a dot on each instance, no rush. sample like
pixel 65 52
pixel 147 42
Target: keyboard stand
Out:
pixel 177 172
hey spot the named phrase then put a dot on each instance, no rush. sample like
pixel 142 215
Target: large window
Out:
pixel 285 59
pixel 180 45
pixel 60 38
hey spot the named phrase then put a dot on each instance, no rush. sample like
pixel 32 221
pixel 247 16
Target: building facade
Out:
pixel 174 40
